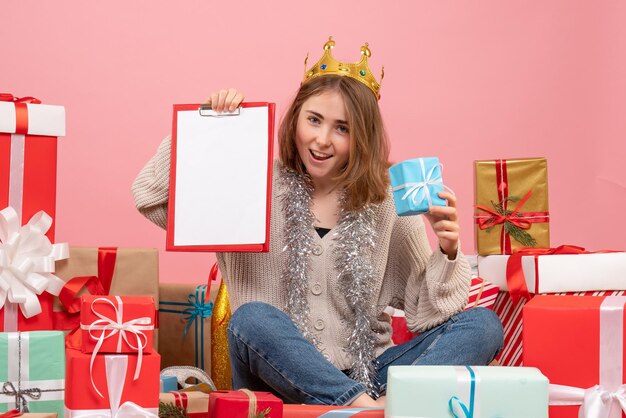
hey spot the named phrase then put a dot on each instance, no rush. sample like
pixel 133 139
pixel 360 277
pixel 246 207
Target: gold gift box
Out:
pixel 512 178
pixel 176 347
pixel 136 273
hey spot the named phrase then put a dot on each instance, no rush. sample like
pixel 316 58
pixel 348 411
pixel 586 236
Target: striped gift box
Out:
pixel 481 294
pixel 511 316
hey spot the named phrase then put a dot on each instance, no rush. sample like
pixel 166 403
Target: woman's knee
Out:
pixel 249 316
pixel 486 327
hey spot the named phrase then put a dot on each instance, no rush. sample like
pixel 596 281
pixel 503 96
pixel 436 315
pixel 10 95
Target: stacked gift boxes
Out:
pixel 111 366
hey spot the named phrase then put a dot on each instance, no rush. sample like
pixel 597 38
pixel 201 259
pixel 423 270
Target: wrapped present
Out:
pixel 481 294
pixel 244 404
pixel 566 268
pixel 464 391
pixel 117 324
pixel 578 342
pixel 27 264
pixel 32 371
pixel 416 184
pixel 325 411
pixel 28 155
pixel 117 384
pixel 192 402
pixel 510 313
pixel 168 383
pixel 104 271
pixel 185 324
pixel 511 198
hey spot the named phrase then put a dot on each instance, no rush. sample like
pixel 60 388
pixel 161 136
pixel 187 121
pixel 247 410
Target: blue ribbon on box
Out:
pixel 454 404
pixel 196 310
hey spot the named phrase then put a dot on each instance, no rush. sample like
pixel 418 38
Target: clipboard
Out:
pixel 221 179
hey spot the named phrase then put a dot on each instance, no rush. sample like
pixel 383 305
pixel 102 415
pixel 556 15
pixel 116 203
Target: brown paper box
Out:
pixel 39 415
pixel 196 401
pixel 175 349
pixel 522 174
pixel 136 272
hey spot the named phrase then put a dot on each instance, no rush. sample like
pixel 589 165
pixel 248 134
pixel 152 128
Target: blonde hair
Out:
pixel 365 177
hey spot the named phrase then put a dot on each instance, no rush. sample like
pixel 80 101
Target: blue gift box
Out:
pixel 415 185
pixel 168 384
pixel 466 392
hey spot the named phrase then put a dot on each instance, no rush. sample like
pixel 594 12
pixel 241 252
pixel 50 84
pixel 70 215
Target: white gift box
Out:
pixel 558 273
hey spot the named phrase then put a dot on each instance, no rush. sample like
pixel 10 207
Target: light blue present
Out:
pixel 466 392
pixel 416 184
pixel 168 384
pixel 32 371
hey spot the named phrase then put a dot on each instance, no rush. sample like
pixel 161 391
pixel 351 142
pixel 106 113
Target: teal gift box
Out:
pixel 32 371
pixel 466 392
pixel 168 384
pixel 416 184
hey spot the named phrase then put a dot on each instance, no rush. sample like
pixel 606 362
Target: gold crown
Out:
pixel 328 65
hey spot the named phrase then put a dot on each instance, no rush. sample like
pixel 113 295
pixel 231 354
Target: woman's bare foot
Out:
pixel 380 402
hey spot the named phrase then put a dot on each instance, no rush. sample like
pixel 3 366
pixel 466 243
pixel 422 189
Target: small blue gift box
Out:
pixel 168 384
pixel 416 184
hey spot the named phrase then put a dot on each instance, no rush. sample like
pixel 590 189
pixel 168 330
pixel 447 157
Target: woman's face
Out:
pixel 323 137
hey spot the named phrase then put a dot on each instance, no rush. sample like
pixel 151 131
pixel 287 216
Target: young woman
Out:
pixel 309 321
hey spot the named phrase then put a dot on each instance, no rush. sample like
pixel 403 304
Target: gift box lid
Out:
pixel 43 119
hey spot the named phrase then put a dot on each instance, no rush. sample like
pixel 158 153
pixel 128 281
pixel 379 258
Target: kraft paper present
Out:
pixel 105 271
pixel 440 391
pixel 185 324
pixel 32 363
pixel 520 186
pixel 192 402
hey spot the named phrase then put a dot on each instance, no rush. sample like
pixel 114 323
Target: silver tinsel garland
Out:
pixel 354 237
pixel 298 246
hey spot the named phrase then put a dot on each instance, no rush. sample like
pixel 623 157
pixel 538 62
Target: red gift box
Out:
pixel 28 155
pixel 481 294
pixel 117 324
pixel 115 381
pixel 578 343
pixel 510 313
pixel 237 404
pixel 319 411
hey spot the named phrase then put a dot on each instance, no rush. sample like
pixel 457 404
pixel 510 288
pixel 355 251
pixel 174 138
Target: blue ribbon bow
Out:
pixel 196 310
pixel 457 406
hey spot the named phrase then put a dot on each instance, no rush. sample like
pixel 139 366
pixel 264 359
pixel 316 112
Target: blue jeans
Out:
pixel 268 353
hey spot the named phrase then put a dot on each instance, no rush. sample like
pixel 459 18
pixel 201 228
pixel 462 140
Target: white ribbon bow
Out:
pixel 108 327
pixel 596 401
pixel 27 261
pixel 116 375
pixel 414 188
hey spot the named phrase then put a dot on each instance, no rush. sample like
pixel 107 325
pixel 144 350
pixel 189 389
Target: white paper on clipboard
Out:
pixel 221 178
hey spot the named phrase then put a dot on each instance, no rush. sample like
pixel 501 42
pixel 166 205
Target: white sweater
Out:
pixel 428 286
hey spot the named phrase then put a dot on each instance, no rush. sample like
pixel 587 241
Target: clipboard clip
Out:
pixel 206 111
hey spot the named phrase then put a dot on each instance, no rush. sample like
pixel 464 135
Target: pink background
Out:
pixel 464 81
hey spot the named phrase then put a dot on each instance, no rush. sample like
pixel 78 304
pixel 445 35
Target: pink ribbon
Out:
pixel 108 327
pixel 608 398
pixel 116 367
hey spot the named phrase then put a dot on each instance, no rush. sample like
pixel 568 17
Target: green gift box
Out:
pixel 32 371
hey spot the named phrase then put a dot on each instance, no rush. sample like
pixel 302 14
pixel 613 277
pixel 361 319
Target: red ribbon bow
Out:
pixel 21 110
pixel 496 218
pixel 516 282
